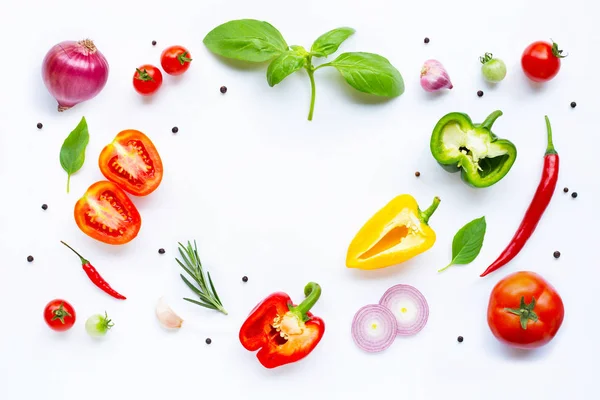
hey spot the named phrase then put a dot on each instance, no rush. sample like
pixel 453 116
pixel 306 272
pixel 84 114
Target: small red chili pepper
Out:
pixel 536 209
pixel 283 333
pixel 95 276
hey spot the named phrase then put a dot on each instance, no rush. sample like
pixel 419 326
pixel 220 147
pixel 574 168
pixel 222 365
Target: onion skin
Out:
pixel 74 72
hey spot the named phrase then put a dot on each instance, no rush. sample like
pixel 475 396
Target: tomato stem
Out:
pixel 183 58
pixel 525 312
pixel 60 313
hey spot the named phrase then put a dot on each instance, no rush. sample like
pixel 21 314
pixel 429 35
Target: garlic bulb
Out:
pixel 167 318
pixel 434 76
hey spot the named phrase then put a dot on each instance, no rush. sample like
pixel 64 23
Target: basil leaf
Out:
pixel 246 40
pixel 467 242
pixel 369 73
pixel 328 43
pixel 284 65
pixel 72 152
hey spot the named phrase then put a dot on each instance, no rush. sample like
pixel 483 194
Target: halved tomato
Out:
pixel 105 213
pixel 132 162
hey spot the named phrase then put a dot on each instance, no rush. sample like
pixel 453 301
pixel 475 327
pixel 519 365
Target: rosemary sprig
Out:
pixel 207 294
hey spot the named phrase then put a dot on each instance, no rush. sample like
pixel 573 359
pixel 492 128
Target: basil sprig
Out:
pixel 72 152
pixel 467 242
pixel 258 41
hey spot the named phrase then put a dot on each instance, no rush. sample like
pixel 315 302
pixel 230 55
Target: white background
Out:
pixel 270 195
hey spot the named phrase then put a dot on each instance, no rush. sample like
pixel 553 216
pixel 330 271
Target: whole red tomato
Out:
pixel 175 60
pixel 59 315
pixel 147 80
pixel 541 61
pixel 525 311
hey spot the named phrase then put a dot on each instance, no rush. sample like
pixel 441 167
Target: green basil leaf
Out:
pixel 72 152
pixel 284 65
pixel 246 40
pixel 369 73
pixel 328 43
pixel 467 242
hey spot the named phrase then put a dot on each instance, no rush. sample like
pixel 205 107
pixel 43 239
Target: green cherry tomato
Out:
pixel 493 69
pixel 97 325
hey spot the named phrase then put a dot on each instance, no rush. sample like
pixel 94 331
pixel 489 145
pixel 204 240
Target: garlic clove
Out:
pixel 434 76
pixel 166 316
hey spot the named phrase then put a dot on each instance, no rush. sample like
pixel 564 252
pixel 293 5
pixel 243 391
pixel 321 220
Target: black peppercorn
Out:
pixel 154 43
pixel 175 129
pixel 566 190
pixel 30 258
pixel 417 174
pixel 460 339
pixel 161 251
pixel 245 279
pixel 426 40
pixel 557 254
pixel 480 93
pixel 208 341
pixel 573 104
pixel 223 89
pixel 39 125
pixel 574 195
pixel 44 206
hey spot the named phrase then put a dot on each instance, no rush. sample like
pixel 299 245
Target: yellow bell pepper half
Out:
pixel 396 233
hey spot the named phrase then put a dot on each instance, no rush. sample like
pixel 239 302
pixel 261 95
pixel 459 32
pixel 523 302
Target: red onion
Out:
pixel 74 72
pixel 374 328
pixel 409 307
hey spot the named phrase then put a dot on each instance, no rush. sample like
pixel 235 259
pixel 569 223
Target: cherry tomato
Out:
pixel 147 80
pixel 541 61
pixel 175 60
pixel 105 213
pixel 525 311
pixel 132 162
pixel 59 315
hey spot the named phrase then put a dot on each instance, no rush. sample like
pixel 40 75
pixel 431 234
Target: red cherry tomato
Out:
pixel 541 61
pixel 147 80
pixel 175 60
pixel 525 311
pixel 59 315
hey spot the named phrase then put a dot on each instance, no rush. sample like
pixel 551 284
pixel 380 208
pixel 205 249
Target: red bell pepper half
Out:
pixel 283 332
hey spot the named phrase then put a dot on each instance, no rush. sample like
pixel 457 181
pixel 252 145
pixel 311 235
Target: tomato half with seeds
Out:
pixel 105 213
pixel 132 162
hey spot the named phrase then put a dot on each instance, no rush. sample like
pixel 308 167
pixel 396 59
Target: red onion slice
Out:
pixel 409 307
pixel 374 328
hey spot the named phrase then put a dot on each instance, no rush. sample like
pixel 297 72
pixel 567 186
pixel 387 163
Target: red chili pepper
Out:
pixel 284 333
pixel 536 209
pixel 95 276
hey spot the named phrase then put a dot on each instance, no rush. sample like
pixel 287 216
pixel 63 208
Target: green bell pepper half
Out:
pixel 459 144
